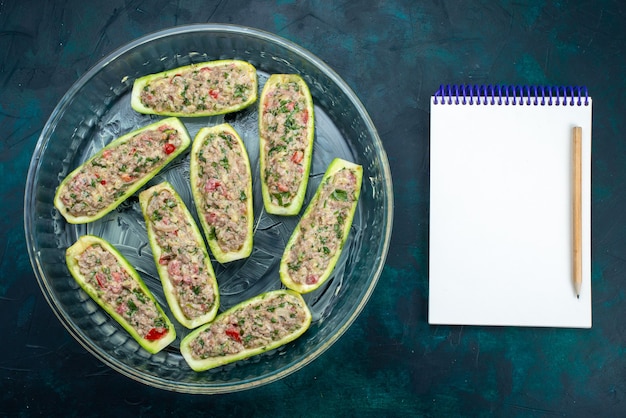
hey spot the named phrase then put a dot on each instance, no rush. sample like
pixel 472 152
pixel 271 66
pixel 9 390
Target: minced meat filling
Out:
pixel 222 179
pixel 321 231
pixel 106 178
pixel 116 288
pixel 209 89
pixel 180 253
pixel 255 325
pixel 285 127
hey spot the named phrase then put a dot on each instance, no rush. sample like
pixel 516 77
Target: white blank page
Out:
pixel 501 215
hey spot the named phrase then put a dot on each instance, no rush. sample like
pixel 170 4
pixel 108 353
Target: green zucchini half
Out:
pixel 317 241
pixel 107 277
pixel 203 89
pixel 221 184
pixel 252 327
pixel 118 170
pixel 286 134
pixel 180 256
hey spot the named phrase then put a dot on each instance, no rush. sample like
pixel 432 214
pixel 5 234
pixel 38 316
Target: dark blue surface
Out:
pixel 394 54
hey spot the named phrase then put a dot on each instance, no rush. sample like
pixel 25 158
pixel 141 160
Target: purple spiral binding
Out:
pixel 527 95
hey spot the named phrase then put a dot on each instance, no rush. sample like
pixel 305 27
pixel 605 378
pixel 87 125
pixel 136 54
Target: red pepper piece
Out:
pixel 233 333
pixel 101 279
pixel 156 334
pixel 214 93
pixel 311 279
pixel 297 157
pixel 212 185
pixel 169 148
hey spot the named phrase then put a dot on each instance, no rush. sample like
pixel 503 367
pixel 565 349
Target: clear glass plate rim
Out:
pixel 57 114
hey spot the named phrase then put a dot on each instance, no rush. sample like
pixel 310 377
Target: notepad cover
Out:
pixel 501 215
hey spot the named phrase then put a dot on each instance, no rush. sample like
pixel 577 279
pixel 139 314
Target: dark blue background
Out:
pixel 394 54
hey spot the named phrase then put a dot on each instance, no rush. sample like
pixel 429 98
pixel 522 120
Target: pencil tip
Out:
pixel 577 296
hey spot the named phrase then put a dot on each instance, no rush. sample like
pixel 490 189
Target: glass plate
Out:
pixel 97 110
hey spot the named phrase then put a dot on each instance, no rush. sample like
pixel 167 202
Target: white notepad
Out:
pixel 501 207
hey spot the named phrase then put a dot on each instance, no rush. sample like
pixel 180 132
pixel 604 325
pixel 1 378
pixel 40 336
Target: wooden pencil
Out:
pixel 577 209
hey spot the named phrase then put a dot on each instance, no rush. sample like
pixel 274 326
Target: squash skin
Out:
pixel 173 122
pixel 71 257
pixel 296 204
pixel 213 362
pixel 141 82
pixel 336 165
pixel 246 249
pixel 168 289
